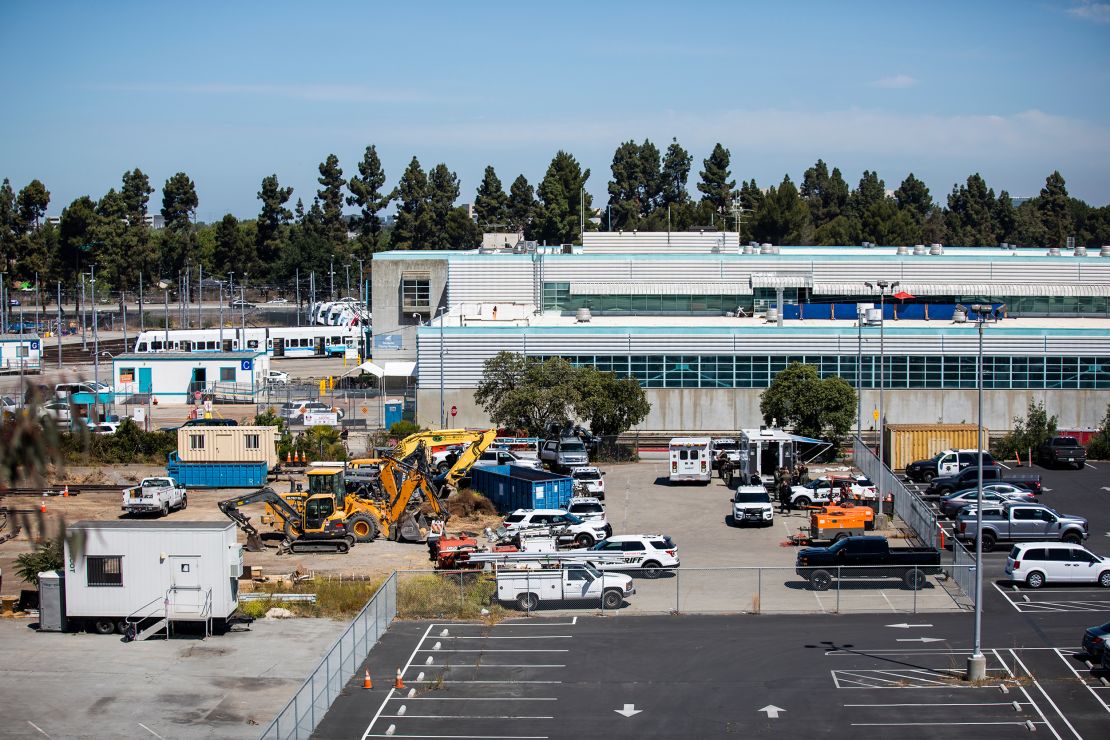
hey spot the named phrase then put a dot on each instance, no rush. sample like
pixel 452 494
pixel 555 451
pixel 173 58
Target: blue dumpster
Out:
pixel 512 487
pixel 217 475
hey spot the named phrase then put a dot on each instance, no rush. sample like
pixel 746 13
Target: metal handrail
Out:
pixel 163 598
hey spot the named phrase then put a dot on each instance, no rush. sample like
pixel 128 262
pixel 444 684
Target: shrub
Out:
pixel 1099 446
pixel 404 428
pixel 1028 434
pixel 47 556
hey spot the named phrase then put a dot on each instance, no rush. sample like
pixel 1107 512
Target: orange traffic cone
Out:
pixel 65 491
pixel 367 682
pixel 398 683
pixel 288 457
pixel 42 504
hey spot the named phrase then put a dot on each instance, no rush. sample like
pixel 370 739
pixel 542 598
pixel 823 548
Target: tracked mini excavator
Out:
pixel 317 527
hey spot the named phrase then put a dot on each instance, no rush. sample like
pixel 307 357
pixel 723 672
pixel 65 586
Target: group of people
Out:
pixel 785 480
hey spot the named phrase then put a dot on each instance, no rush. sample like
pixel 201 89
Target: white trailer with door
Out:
pixel 690 460
pixel 141 577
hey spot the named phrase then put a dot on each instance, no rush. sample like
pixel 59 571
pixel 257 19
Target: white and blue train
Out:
pixel 283 341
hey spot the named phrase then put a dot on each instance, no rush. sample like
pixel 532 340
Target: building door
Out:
pixel 225 446
pixel 186 598
pixel 200 379
pixel 144 380
pixel 279 347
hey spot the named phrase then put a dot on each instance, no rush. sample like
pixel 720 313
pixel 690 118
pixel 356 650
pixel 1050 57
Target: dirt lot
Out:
pixel 378 558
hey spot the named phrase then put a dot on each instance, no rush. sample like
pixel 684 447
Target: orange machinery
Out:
pixel 837 522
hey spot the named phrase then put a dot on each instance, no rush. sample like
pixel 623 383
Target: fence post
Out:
pixel 677 590
pixel 915 589
pixel 838 589
pixel 759 590
pixel 462 599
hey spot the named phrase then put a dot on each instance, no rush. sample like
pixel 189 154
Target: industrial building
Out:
pixel 176 377
pixel 704 323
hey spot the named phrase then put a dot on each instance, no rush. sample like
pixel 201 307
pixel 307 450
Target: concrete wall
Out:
pixel 386 303
pixel 724 409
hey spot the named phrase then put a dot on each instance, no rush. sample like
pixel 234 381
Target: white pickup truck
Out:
pixel 155 495
pixel 573 582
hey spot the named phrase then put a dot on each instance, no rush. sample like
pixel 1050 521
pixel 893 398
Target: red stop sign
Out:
pixel 454 410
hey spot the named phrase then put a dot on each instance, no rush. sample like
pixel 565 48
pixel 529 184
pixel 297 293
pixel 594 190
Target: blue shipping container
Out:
pixel 512 487
pixel 217 475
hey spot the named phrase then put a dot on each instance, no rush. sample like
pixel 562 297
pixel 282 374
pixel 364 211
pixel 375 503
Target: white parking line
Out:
pixel 475 698
pixel 502 650
pixel 462 716
pixel 388 696
pixel 932 724
pixel 1082 680
pixel 946 704
pixel 468 737
pixel 439 681
pixel 506 637
pixel 1027 696
pixel 1092 467
pixel 1046 696
pixel 493 665
pixel 1002 464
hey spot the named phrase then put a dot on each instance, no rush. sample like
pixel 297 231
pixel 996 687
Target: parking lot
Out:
pixel 714 676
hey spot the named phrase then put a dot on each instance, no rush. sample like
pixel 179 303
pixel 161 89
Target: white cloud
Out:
pixel 1090 11
pixel 315 92
pixel 896 82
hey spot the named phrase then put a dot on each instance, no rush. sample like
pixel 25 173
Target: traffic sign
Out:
pixel 875 414
pixel 454 410
pixel 197 395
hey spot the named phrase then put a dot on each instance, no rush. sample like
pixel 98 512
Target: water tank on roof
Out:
pixel 874 316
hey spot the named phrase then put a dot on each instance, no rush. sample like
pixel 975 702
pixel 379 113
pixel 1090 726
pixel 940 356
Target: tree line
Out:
pixel 648 191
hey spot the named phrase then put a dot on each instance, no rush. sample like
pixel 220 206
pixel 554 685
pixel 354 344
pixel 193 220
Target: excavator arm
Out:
pixel 478 443
pixel 267 495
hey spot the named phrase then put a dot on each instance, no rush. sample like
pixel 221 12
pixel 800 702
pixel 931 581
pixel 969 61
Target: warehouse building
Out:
pixel 704 323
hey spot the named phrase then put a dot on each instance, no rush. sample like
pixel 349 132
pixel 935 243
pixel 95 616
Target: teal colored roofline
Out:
pixel 190 357
pixel 770 330
pixel 788 253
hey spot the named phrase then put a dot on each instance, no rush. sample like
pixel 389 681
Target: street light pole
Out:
pixel 96 353
pixel 859 377
pixel 442 415
pixel 165 286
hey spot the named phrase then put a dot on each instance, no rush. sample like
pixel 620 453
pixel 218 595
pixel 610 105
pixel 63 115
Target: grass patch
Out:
pixel 419 596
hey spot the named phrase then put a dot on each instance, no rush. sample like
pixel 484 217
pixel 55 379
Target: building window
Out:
pixel 416 291
pixel 104 570
pixel 251 441
pixel 227 375
pixel 196 441
pixel 555 296
pixel 127 375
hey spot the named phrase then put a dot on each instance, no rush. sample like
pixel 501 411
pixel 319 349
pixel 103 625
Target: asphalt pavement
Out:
pixel 820 675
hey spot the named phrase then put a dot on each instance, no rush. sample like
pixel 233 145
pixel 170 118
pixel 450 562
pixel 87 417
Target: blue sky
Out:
pixel 232 91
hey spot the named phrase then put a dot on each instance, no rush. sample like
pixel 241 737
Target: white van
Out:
pixel 690 460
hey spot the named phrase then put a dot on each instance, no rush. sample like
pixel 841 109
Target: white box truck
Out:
pixel 138 578
pixel 527 587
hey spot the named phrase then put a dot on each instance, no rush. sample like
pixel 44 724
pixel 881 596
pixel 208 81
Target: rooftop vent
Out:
pixel 919 249
pixel 936 249
pixel 1104 252
pixel 902 249
pixel 776 249
pixel 772 314
pixel 765 248
pixel 1080 251
pixel 583 315
pixel 749 249
pixel 959 316
pixel 1053 251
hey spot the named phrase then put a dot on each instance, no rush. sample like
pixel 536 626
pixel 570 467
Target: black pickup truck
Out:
pixel 1062 451
pixel 969 477
pixel 865 558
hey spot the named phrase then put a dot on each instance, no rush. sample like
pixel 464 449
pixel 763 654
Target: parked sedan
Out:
pixel 1094 640
pixel 952 504
pixel 276 377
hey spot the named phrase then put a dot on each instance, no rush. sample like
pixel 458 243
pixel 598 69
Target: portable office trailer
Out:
pixel 228 444
pixel 512 487
pixel 148 571
pixel 905 443
pixel 176 377
pixel 20 351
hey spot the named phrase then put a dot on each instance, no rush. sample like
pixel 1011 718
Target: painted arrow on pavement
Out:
pixel 629 710
pixel 905 626
pixel 920 639
pixel 1106 488
pixel 772 711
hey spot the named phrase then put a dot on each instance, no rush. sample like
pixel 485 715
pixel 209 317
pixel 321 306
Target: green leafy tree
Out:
pixel 522 205
pixel 460 231
pixel 838 232
pixel 31 205
pixel 871 190
pixel 9 231
pixel 412 228
pixel 1054 210
pixel 1099 446
pixel 970 217
pixel 136 191
pixel 675 175
pixel 49 555
pixel 715 186
pixel 650 185
pixel 524 393
pixel 885 223
pixel 331 201
pixel 782 217
pixel 76 230
pixel 560 195
pixel 231 252
pixel 825 195
pixel 1004 216
pixel 443 191
pixel 624 210
pixel 114 241
pixel 1027 434
pixel 814 407
pixel 179 206
pixel 366 194
pixel 272 223
pixel 491 205
pixel 913 196
pixel 610 405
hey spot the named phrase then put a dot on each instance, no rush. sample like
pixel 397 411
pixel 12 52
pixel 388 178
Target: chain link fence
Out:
pixel 909 506
pixel 299 718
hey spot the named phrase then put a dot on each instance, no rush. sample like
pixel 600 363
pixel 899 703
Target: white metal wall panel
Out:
pixel 567 270
pixel 927 269
pixel 687 270
pixel 1095 272
pixel 671 344
pixel 1004 271
pixel 833 271
pixel 489 281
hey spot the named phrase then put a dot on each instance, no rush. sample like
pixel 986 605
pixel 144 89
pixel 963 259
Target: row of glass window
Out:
pixel 957 371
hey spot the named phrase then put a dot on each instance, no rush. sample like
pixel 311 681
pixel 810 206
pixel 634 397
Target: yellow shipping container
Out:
pixel 228 444
pixel 905 443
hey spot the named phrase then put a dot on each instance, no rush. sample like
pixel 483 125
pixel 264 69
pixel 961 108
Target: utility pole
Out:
pixel 231 297
pixel 142 319
pixel 96 353
pixel 582 214
pixel 243 306
pixel 297 287
pixel 331 279
pixel 200 298
pixel 59 325
pixel 221 317
pixel 84 340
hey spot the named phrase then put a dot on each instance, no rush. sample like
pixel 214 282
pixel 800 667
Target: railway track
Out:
pixel 58 490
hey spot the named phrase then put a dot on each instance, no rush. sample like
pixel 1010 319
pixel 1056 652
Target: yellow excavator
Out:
pixel 451 467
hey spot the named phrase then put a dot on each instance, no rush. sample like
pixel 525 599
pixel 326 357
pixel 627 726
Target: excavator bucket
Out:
pixel 254 542
pixel 411 530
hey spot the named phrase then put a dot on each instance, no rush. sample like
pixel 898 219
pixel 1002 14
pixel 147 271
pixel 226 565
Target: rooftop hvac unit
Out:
pixel 772 314
pixel 749 249
pixel 582 315
pixel 874 316
pixel 765 248
pixel 959 316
